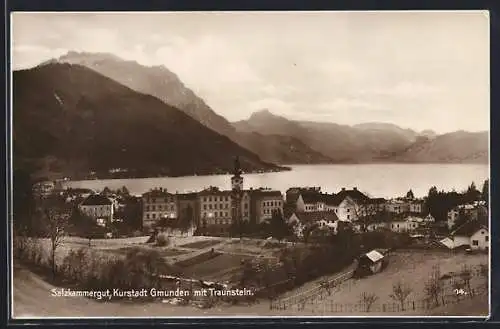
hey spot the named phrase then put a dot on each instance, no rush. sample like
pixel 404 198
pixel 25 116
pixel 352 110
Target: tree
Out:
pixel 410 195
pixel 433 191
pixel 434 286
pixel 472 193
pixel 368 299
pixel 106 191
pixel 124 191
pixel 307 231
pixel 23 200
pixel 466 275
pixel 56 214
pixel 485 194
pixel 279 228
pixel 186 219
pixel 400 293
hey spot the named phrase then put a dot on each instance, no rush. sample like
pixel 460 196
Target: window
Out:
pixel 482 232
pixel 475 242
pixel 204 199
pixel 348 209
pixel 154 216
pixel 172 208
pixel 147 208
pixel 246 205
pixel 154 208
pixel 209 198
pixel 159 207
pixel 204 207
pixel 225 214
pixel 147 216
pixel 486 238
pixel 348 216
pixel 210 206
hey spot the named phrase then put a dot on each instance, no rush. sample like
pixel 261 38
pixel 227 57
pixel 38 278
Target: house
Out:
pixel 370 263
pixel 469 211
pixel 305 199
pixel 397 207
pixel 416 206
pixel 158 203
pixel 404 226
pixel 351 205
pixel 98 207
pixel 376 226
pixel 43 189
pixel 263 203
pixel 429 219
pixel 215 209
pixel 405 206
pixel 321 219
pixel 472 234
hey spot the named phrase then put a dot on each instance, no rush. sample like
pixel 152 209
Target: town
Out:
pixel 266 213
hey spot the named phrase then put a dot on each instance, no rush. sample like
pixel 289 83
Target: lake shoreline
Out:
pixel 375 180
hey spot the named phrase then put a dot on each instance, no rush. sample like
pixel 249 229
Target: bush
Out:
pixel 162 240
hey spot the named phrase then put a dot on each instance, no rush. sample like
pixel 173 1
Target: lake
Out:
pixel 376 180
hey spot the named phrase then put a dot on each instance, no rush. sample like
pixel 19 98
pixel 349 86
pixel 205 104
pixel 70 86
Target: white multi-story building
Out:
pixel 158 204
pixel 98 207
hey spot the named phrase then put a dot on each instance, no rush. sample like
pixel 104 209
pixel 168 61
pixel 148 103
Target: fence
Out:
pixel 311 294
pixel 322 307
pixel 316 296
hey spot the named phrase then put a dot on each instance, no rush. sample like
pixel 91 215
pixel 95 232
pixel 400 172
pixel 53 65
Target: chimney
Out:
pixel 343 189
pixel 355 188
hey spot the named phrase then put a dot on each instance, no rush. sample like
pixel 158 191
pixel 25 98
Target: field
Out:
pixel 216 267
pixel 31 297
pixel 412 268
pixel 201 244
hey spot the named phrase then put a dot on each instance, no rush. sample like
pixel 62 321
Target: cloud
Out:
pixel 405 89
pixel 410 68
pixel 26 56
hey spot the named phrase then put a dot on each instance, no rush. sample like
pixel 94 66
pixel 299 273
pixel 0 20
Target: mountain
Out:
pixel 163 84
pixel 283 149
pixel 372 142
pixel 375 127
pixel 75 120
pixel 157 81
pixel 456 147
pixel 341 143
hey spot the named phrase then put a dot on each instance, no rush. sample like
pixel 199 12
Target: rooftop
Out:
pixel 96 200
pixel 469 228
pixel 316 216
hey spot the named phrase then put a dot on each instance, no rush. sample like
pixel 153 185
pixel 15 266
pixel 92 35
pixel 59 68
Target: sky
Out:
pixel 419 70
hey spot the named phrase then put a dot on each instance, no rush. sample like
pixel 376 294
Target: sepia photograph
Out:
pixel 250 164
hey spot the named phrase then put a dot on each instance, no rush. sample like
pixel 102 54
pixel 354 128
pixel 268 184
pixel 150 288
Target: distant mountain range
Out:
pixel 77 121
pixel 263 139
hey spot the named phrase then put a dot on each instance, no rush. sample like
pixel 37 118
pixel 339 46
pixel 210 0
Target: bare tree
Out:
pixel 484 271
pixel 56 214
pixel 466 275
pixel 434 286
pixel 326 286
pixel 400 293
pixel 368 299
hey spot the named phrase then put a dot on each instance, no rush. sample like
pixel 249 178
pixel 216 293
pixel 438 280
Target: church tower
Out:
pixel 236 192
